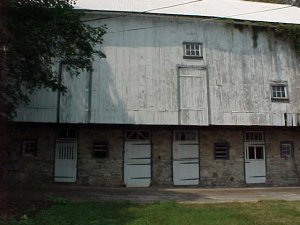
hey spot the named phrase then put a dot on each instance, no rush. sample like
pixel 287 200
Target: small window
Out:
pixel 221 150
pixel 185 136
pixel 286 149
pixel 29 148
pixel 279 91
pixel 255 151
pixel 100 149
pixel 192 50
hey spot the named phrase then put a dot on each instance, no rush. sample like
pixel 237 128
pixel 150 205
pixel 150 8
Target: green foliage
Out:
pixel 290 2
pixel 56 200
pixel 120 213
pixel 290 33
pixel 35 33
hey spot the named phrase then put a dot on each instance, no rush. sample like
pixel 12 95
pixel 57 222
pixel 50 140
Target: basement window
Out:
pixel 279 91
pixel 100 149
pixel 221 150
pixel 192 50
pixel 29 148
pixel 286 149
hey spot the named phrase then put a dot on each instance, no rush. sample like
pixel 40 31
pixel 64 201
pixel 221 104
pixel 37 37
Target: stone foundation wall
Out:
pixel 31 170
pixel 104 172
pixel 221 172
pixel 109 171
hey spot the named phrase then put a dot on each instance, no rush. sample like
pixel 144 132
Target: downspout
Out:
pixel 89 109
pixel 59 76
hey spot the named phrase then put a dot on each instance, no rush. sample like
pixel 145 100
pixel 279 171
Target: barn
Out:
pixel 191 93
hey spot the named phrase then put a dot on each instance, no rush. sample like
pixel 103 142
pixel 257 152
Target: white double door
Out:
pixel 137 163
pixel 185 162
pixel 255 163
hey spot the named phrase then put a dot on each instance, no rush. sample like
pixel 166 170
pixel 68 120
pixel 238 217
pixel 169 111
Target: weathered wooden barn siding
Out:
pixel 137 83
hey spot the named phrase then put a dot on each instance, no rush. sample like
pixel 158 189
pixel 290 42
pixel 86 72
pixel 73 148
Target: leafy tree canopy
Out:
pixel 33 34
pixel 290 2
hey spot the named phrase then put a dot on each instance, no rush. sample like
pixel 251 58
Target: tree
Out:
pixel 33 34
pixel 289 2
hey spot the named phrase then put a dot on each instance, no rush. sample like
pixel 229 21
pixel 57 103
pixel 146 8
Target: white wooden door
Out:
pixel 65 168
pixel 137 163
pixel 255 163
pixel 185 158
pixel 193 102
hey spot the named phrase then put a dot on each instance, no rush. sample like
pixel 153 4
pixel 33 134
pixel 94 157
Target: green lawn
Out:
pixel 264 212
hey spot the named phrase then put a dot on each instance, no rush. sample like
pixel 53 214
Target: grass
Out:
pixel 171 213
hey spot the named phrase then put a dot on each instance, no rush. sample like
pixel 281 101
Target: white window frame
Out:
pixel 277 94
pixel 189 47
pixel 25 144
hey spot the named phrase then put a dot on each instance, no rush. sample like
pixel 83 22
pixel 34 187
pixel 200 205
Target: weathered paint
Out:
pixel 137 83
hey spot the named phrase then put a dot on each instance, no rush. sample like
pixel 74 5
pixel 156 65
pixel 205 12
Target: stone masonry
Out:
pixel 109 171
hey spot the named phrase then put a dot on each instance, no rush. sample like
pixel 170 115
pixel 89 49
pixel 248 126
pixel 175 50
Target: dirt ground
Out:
pixel 16 200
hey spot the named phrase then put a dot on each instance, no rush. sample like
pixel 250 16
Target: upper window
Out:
pixel 279 91
pixel 29 148
pixel 286 149
pixel 192 50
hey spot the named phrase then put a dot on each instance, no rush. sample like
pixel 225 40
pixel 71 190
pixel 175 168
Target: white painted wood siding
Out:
pixel 137 83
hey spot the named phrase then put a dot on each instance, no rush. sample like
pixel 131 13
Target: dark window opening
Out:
pixel 221 150
pixel 100 149
pixel 29 148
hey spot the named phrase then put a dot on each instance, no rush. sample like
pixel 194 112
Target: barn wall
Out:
pixel 137 82
pixel 109 171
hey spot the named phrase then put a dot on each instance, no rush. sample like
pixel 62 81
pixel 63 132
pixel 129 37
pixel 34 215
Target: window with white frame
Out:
pixel 29 148
pixel 279 91
pixel 286 149
pixel 192 50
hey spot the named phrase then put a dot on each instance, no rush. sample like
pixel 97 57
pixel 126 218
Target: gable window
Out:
pixel 192 50
pixel 29 148
pixel 100 149
pixel 279 91
pixel 221 150
pixel 286 149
